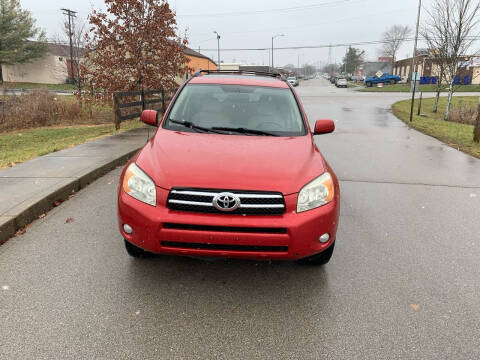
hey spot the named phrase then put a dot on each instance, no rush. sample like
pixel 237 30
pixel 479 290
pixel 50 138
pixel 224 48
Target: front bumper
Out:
pixel 290 236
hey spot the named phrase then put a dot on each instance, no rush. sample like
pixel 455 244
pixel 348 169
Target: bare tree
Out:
pixel 78 45
pixel 459 20
pixel 433 31
pixel 393 38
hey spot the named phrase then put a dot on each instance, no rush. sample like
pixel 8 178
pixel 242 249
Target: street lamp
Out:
pixel 218 48
pixel 274 37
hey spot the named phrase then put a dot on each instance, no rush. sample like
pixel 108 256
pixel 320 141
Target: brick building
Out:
pixel 469 71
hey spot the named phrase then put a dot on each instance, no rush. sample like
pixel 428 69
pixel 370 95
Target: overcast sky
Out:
pixel 251 24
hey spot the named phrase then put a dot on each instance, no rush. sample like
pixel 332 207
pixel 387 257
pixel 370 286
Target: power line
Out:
pixel 295 28
pixel 269 11
pixel 375 42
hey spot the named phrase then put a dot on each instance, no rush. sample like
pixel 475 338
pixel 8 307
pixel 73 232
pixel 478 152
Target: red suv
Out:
pixel 232 171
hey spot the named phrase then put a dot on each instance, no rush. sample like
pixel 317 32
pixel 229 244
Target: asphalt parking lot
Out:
pixel 404 281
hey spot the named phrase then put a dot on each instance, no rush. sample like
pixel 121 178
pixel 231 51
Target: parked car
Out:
pixel 385 79
pixel 341 82
pixel 293 80
pixel 232 171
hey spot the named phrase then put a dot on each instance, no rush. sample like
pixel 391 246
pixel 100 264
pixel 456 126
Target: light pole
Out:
pixel 274 37
pixel 218 48
pixel 414 62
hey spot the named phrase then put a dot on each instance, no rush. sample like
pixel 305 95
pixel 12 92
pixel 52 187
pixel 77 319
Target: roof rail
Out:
pixel 241 72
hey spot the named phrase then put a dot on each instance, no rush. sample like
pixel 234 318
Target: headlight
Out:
pixel 316 193
pixel 138 185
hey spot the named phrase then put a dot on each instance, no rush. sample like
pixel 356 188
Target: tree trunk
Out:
pixel 79 83
pixel 476 129
pixel 1 74
pixel 437 98
pixel 449 100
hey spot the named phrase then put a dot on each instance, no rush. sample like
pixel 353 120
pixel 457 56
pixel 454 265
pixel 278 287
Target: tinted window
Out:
pixel 268 109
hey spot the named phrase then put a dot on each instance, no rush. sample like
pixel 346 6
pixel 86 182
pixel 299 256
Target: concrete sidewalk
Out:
pixel 31 188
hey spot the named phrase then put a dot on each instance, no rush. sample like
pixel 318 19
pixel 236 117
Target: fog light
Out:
pixel 324 238
pixel 127 228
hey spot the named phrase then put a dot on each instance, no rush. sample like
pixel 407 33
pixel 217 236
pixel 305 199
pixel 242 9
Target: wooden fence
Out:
pixel 148 99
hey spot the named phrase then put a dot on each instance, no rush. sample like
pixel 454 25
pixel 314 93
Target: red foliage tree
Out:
pixel 134 45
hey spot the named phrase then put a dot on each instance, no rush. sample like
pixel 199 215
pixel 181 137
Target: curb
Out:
pixel 10 225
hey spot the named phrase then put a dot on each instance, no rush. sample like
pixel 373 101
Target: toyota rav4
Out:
pixel 232 171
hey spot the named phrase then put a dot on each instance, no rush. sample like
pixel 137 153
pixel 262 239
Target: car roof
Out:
pixel 249 80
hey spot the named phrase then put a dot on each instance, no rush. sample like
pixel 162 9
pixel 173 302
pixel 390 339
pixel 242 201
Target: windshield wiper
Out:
pixel 245 131
pixel 190 125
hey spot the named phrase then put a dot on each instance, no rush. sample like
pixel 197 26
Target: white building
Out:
pixel 52 68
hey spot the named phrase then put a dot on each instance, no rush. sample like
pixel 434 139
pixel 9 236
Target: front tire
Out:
pixel 319 259
pixel 135 251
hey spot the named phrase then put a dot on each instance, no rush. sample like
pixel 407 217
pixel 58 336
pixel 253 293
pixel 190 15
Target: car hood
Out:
pixel 236 162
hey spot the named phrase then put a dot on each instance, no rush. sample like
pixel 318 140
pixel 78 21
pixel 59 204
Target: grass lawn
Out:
pixel 351 84
pixel 23 145
pixel 458 136
pixel 23 85
pixel 424 88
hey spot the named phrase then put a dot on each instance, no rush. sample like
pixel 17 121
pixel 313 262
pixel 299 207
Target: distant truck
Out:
pixel 385 79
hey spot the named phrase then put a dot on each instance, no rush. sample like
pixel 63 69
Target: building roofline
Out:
pixel 191 52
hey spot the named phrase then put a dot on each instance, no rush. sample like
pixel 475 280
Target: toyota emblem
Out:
pixel 226 201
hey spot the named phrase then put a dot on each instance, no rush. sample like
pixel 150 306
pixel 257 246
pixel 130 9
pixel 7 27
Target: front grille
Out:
pixel 237 229
pixel 224 247
pixel 251 202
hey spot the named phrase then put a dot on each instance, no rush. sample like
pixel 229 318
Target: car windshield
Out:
pixel 238 108
pixel 292 78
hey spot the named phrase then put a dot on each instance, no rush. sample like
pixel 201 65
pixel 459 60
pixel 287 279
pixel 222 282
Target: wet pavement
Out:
pixel 404 282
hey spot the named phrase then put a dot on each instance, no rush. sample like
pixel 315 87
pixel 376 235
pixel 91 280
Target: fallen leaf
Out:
pixel 56 203
pixel 21 231
pixel 69 220
pixel 42 216
pixel 71 196
pixel 414 307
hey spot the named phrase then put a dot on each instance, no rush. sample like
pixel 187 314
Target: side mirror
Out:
pixel 149 117
pixel 324 127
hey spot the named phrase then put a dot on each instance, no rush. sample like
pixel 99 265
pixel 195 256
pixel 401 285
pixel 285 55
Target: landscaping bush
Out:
pixel 43 108
pixel 463 113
